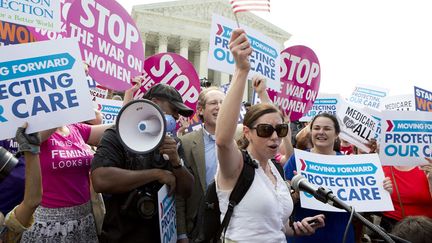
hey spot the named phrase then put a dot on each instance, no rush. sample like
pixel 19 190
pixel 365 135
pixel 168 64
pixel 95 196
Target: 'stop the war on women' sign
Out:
pixel 355 179
pixel 174 70
pixel 300 81
pixel 265 58
pixel 109 40
pixel 44 84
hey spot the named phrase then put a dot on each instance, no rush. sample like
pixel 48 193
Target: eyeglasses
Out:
pixel 214 102
pixel 266 130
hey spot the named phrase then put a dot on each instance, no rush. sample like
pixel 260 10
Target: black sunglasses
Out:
pixel 266 130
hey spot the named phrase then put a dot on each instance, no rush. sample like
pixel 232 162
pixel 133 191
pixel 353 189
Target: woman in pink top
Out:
pixel 65 213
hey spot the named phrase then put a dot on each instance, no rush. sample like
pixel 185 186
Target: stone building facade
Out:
pixel 184 26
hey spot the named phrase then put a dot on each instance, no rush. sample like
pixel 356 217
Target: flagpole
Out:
pixel 238 24
pixel 248 5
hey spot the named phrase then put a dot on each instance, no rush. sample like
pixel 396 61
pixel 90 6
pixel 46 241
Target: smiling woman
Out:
pixel 324 131
pixel 324 134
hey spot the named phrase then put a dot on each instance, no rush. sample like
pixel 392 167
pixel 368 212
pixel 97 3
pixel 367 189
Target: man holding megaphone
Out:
pixel 134 159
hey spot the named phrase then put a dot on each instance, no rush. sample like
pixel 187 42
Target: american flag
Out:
pixel 250 5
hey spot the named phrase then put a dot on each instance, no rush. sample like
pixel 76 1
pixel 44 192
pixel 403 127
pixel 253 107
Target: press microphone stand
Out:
pixel 326 196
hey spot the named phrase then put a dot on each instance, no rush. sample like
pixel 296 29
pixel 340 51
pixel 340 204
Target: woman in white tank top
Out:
pixel 262 215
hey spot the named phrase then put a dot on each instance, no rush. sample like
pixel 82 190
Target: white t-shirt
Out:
pixel 262 213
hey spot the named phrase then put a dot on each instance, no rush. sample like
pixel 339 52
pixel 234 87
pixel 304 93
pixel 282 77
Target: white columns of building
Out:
pixel 224 78
pixel 203 47
pixel 184 47
pixel 163 44
pixel 143 39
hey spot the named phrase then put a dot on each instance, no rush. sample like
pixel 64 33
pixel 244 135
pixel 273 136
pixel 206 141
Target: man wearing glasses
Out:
pixel 199 147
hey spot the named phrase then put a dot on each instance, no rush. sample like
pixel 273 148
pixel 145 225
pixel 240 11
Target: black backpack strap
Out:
pixel 279 168
pixel 242 186
pixel 208 218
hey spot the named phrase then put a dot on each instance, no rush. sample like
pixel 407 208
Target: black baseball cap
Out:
pixel 171 95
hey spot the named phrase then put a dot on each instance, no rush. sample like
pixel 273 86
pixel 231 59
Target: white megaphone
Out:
pixel 141 126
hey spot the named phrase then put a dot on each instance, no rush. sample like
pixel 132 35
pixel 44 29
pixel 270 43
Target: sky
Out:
pixel 381 43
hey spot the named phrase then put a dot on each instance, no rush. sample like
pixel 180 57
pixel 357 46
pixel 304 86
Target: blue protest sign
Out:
pixel 36 66
pixel 265 58
pixel 354 179
pixel 368 96
pixel 423 99
pixel 42 83
pixel 406 138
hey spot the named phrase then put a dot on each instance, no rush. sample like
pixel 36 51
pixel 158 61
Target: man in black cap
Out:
pixel 162 94
pixel 133 179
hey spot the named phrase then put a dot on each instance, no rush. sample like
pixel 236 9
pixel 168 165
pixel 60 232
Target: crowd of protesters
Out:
pixel 48 196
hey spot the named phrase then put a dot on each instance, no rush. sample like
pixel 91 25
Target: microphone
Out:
pixel 300 183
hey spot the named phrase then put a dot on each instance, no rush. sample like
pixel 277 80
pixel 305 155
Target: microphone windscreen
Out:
pixel 295 182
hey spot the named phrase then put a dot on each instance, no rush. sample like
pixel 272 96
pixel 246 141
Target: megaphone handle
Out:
pixel 157 156
pixel 166 156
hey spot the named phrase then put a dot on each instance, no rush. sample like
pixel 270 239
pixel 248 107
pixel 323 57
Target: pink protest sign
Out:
pixel 300 80
pixel 109 40
pixel 174 70
pixel 44 34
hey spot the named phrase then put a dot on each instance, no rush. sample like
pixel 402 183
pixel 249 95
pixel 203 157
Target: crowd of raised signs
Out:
pixel 67 173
